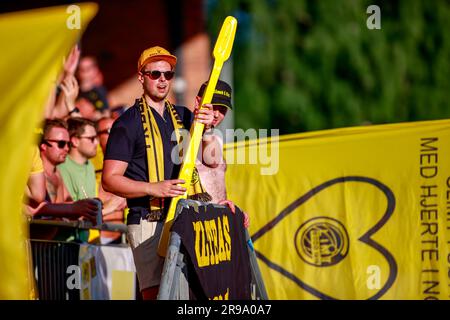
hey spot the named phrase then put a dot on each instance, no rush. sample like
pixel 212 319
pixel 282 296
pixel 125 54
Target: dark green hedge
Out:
pixel 307 65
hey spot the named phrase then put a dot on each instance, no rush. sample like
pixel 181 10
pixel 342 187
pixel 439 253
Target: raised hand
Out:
pixel 70 90
pixel 71 63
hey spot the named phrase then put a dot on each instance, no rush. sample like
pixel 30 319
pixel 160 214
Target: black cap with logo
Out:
pixel 221 96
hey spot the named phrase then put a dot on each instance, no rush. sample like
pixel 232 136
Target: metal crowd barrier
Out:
pixel 51 259
pixel 50 262
pixel 174 279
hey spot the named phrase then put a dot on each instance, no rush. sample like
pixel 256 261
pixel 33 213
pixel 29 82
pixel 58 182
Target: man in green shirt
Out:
pixel 77 171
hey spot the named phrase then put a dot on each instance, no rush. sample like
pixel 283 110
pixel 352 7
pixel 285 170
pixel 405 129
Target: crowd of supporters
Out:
pixel 65 178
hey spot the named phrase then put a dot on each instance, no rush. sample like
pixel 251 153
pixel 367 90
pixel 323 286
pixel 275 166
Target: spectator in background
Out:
pixel 58 203
pixel 77 171
pixel 61 103
pixel 103 128
pixel 35 188
pixel 117 112
pixel 113 206
pixel 67 97
pixel 91 83
pixel 54 148
pixel 87 110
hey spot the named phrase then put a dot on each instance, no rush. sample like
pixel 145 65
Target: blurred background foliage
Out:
pixel 308 65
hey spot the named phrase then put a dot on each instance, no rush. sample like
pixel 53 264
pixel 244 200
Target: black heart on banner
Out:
pixel 336 238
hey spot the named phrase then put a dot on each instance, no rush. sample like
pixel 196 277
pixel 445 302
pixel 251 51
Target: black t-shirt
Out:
pixel 126 143
pixel 215 241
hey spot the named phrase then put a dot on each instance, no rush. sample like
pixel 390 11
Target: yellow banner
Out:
pixel 34 44
pixel 354 213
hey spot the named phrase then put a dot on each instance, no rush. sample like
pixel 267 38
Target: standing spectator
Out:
pixel 213 170
pixel 140 167
pixel 213 166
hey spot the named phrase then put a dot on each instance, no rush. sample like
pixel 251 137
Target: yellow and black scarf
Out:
pixel 155 153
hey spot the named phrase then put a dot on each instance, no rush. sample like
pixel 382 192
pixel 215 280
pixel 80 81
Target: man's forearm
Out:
pixel 56 210
pixel 125 187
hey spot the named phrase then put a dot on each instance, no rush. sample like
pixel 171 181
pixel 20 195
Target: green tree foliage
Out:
pixel 308 65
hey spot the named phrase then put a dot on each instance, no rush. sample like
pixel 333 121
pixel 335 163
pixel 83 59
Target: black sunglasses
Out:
pixel 60 143
pixel 155 74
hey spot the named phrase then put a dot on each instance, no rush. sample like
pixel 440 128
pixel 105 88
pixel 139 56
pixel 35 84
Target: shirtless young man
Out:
pixel 213 167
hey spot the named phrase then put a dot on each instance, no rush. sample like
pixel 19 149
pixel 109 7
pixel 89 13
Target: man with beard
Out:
pixel 77 170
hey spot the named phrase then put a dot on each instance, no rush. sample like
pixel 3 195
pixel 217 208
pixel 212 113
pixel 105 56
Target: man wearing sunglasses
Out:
pixel 138 162
pixel 54 147
pixel 77 171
